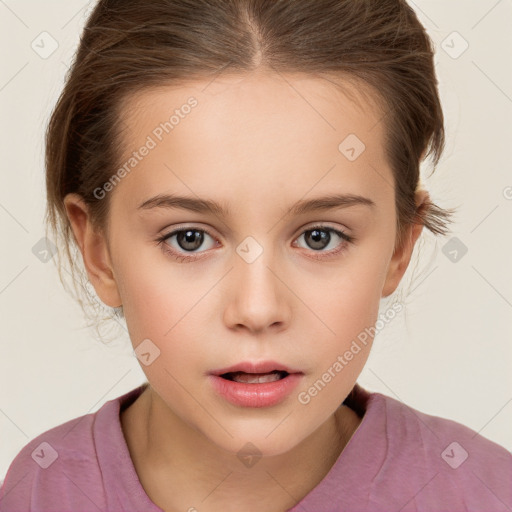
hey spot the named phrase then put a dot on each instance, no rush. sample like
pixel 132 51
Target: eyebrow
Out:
pixel 198 205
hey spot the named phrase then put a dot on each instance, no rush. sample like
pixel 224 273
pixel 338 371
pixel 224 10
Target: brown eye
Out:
pixel 317 238
pixel 320 237
pixel 184 244
pixel 190 240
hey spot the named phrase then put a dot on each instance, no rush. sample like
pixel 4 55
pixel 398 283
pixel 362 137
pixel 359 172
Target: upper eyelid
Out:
pixel 319 225
pixel 307 227
pixel 175 231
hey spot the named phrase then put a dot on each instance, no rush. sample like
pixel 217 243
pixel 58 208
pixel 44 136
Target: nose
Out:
pixel 257 298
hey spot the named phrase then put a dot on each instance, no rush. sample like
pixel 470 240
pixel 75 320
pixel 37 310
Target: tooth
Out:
pixel 256 378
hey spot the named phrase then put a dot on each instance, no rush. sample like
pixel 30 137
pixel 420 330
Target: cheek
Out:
pixel 349 309
pixel 166 305
pixel 152 300
pixel 349 300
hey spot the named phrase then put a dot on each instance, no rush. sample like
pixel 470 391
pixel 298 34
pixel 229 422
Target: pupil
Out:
pixel 320 239
pixel 188 237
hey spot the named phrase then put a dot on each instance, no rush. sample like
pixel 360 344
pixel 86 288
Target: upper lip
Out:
pixel 255 367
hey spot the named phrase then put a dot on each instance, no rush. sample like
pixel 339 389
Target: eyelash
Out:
pixel 185 258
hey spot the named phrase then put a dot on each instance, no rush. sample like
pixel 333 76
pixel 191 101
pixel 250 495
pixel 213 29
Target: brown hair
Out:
pixel 128 45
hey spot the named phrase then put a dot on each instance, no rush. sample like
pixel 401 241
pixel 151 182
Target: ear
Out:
pixel 94 249
pixel 402 255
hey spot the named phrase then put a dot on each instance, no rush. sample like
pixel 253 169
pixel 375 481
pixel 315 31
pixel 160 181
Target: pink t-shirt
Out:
pixel 399 459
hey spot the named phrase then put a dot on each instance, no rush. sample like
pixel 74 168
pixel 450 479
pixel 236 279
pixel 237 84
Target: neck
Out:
pixel 180 468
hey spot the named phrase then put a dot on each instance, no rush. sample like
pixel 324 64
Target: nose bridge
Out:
pixel 257 299
pixel 253 270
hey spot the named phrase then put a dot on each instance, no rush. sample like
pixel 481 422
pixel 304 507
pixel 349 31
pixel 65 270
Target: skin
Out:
pixel 257 146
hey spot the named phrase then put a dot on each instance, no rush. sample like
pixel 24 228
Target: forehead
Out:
pixel 336 102
pixel 249 129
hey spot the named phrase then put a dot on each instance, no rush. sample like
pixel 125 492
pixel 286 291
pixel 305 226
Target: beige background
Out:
pixel 448 355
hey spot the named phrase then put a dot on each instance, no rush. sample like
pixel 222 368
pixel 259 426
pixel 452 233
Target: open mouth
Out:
pixel 255 387
pixel 255 378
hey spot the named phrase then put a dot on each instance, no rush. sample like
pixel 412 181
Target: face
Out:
pixel 256 279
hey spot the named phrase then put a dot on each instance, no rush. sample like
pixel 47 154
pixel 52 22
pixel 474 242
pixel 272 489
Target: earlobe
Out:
pixel 402 255
pixel 94 249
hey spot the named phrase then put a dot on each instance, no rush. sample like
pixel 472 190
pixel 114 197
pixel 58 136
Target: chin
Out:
pixel 253 445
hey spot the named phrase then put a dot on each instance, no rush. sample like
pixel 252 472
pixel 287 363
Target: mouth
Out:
pixel 255 384
pixel 254 378
pixel 249 372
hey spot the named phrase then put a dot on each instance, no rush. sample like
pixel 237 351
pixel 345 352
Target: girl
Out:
pixel 241 180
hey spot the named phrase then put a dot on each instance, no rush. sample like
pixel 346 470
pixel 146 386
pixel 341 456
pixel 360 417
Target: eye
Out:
pixel 188 240
pixel 183 244
pixel 321 237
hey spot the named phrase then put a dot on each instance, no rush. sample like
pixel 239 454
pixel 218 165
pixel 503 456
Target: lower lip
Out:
pixel 264 394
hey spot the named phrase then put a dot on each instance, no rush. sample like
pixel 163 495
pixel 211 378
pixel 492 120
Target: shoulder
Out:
pixel 60 469
pixel 49 464
pixel 413 427
pixel 445 460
